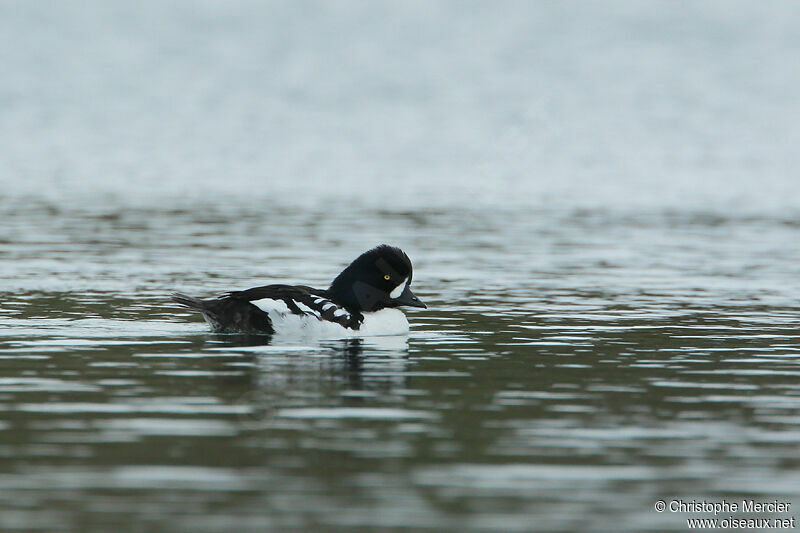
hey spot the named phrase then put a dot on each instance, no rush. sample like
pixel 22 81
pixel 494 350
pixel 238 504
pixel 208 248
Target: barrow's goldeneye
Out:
pixel 361 301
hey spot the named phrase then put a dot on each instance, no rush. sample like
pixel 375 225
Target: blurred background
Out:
pixel 403 104
pixel 600 199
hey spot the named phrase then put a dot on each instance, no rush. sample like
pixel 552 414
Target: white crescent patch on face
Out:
pixel 397 291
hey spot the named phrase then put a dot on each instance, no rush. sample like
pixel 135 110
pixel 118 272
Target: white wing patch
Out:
pixel 306 309
pixel 289 325
pixel 268 305
pixel 399 289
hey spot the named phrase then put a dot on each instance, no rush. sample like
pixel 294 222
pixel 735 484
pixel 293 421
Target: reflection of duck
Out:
pixel 361 301
pixel 385 358
pixel 353 350
pixel 389 345
pixel 283 373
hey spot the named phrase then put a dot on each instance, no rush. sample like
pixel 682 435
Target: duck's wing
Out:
pixel 300 300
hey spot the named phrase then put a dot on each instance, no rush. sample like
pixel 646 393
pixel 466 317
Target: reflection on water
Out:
pixel 576 381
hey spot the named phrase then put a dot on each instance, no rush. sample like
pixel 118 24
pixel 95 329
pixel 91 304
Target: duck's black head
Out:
pixel 378 279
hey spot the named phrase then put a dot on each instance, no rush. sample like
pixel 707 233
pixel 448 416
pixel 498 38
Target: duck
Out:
pixel 362 301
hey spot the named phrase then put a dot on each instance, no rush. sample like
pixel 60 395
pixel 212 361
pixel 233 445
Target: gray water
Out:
pixel 601 202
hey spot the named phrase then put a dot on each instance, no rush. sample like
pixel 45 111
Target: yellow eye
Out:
pixel 387 277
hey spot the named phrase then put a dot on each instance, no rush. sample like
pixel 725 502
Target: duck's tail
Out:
pixel 228 315
pixel 187 301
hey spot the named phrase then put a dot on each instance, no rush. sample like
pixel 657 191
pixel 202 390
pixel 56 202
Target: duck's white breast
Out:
pixel 383 322
pixel 286 323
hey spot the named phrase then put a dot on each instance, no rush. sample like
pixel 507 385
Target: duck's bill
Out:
pixel 409 298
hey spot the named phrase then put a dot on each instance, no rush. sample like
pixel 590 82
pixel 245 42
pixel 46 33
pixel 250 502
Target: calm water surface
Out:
pixel 602 207
pixel 573 368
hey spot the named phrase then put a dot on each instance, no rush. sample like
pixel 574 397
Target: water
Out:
pixel 601 206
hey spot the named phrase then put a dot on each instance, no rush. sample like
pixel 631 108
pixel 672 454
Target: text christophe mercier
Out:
pixel 728 508
pixel 725 506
